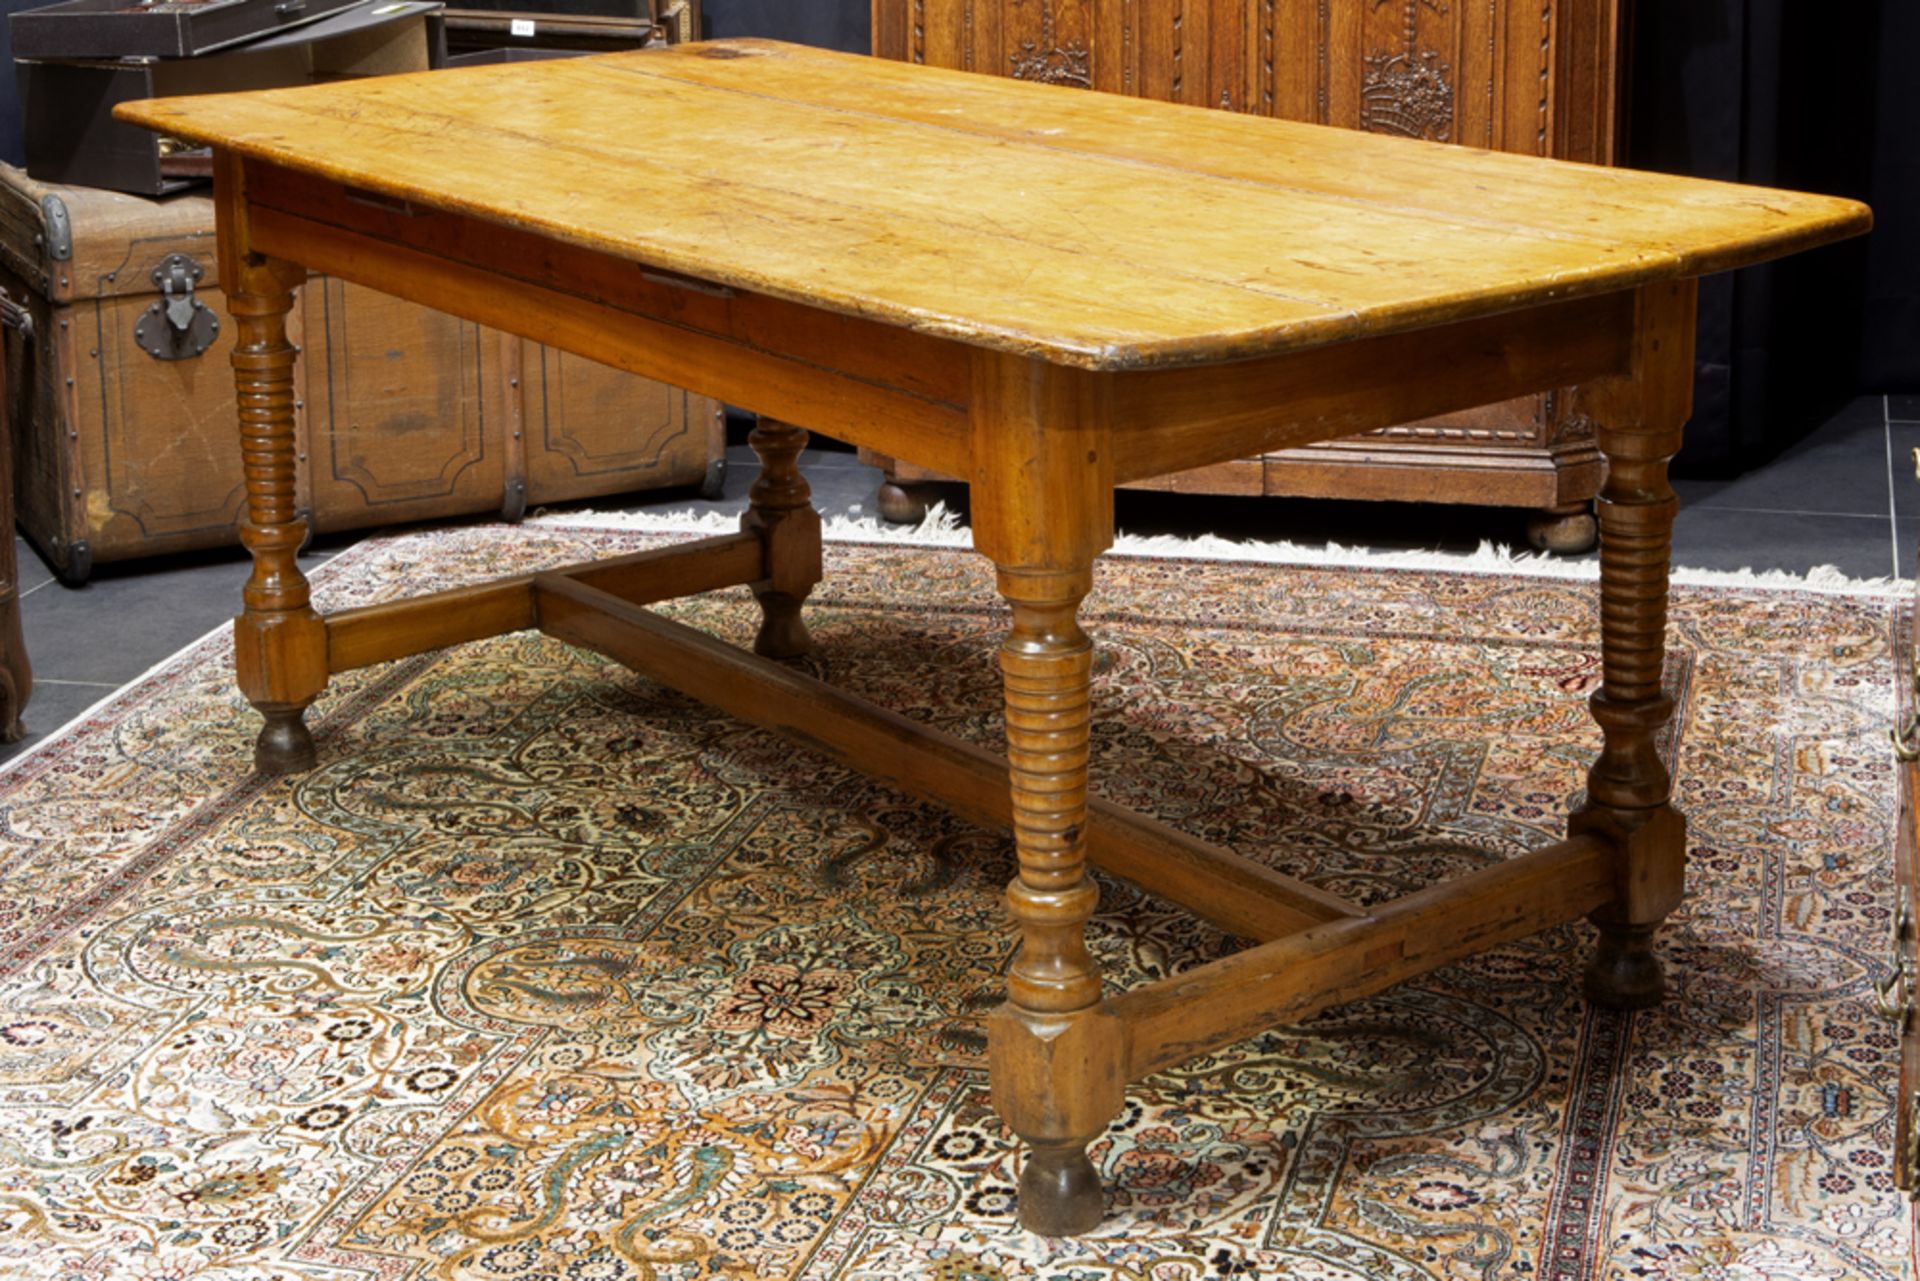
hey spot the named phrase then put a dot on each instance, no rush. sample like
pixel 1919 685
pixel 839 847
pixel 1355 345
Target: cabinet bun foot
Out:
pixel 906 504
pixel 1568 531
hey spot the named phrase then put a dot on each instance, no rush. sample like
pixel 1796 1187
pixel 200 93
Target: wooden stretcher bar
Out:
pixel 1234 892
pixel 1317 950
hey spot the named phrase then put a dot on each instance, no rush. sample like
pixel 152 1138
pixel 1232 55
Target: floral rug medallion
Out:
pixel 547 973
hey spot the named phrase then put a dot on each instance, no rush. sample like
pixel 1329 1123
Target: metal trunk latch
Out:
pixel 179 326
pixel 58 236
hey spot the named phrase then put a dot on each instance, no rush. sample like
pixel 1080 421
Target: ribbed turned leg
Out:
pixel 1055 1052
pixel 280 644
pixel 781 512
pixel 1628 789
pixel 1043 511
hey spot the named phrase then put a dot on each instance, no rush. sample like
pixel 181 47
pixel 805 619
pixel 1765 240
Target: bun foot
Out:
pixel 906 504
pixel 1568 531
pixel 1624 973
pixel 1060 1194
pixel 285 745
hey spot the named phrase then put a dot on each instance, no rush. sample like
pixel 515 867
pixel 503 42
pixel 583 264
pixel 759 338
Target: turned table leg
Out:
pixel 1042 511
pixel 1639 420
pixel 16 673
pixel 781 512
pixel 279 643
pixel 1053 1046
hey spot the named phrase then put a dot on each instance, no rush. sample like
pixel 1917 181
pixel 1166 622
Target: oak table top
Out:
pixel 1086 229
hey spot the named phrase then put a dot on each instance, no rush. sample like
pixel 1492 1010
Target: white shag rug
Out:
pixel 942 528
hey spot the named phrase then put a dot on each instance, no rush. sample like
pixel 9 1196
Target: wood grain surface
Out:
pixel 1083 229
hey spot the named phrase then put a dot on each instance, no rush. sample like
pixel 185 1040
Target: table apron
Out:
pixel 901 392
pixel 1175 419
pixel 787 382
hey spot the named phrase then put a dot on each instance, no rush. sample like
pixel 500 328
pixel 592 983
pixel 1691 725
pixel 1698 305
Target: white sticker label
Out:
pixel 521 27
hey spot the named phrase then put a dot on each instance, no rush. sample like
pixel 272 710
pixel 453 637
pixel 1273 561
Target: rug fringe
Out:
pixel 942 528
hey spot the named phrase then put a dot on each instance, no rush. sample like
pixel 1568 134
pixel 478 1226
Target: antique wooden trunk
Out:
pixel 121 401
pixel 1540 77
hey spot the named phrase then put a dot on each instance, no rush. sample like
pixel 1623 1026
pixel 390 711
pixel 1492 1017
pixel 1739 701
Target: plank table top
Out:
pixel 1083 229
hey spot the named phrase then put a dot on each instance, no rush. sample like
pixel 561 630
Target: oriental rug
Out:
pixel 548 974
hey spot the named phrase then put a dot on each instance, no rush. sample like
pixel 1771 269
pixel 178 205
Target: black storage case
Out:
pixel 67 106
pixel 168 29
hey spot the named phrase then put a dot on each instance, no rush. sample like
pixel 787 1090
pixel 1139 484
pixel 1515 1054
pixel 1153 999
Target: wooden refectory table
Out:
pixel 1044 292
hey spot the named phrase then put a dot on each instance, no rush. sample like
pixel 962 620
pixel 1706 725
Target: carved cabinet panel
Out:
pixel 1483 73
pixel 1534 77
pixel 1539 77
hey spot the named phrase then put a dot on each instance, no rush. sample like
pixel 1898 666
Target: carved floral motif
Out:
pixel 1049 62
pixel 1409 92
pixel 1058 66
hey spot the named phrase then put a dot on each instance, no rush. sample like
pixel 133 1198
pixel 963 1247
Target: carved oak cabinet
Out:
pixel 1540 77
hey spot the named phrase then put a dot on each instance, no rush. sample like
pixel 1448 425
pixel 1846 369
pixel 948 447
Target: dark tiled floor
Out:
pixel 1845 496
pixel 1822 474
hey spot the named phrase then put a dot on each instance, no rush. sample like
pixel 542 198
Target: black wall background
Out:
pixel 9 95
pixel 1807 96
pixel 833 24
pixel 1890 358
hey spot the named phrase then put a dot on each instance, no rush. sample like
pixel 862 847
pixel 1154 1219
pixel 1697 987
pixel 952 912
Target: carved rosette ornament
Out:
pixel 1573 427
